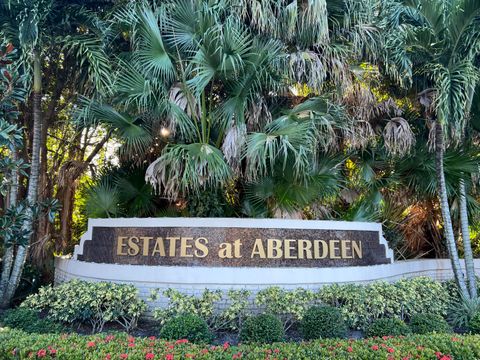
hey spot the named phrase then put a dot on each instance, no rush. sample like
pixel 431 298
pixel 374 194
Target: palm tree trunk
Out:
pixel 468 254
pixel 21 255
pixel 447 220
pixel 9 250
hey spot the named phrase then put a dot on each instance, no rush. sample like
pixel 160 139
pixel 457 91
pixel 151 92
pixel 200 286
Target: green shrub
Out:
pixel 322 322
pixel 187 326
pixel 88 302
pixel 234 307
pixel 361 304
pixel 428 323
pixel 264 328
pixel 474 324
pixel 288 305
pixel 29 321
pixel 388 326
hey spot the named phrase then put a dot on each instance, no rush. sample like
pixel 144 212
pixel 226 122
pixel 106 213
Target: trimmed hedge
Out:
pixel 428 323
pixel 321 322
pixel 187 326
pixel 29 321
pixel 19 345
pixel 388 327
pixel 264 328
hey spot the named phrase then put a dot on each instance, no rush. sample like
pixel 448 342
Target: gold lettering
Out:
pixel 201 247
pixel 304 249
pixel 225 251
pixel 258 249
pixel 274 245
pixel 133 244
pixel 173 245
pixel 159 247
pixel 289 247
pixel 345 246
pixel 184 246
pixel 333 248
pixel 146 244
pixel 121 245
pixel 237 249
pixel 316 249
pixel 357 249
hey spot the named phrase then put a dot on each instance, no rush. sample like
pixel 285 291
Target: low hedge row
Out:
pixel 19 345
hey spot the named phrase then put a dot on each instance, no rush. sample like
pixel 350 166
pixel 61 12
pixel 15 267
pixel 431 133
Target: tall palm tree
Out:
pixel 436 42
pixel 31 25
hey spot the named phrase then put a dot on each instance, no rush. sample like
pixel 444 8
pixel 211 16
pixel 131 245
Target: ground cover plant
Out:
pixel 19 345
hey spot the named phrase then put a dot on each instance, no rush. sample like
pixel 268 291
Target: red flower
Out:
pixel 237 355
pixel 41 353
pixel 131 344
pixel 90 344
pixel 169 357
pixel 390 350
pixel 181 341
pixel 226 346
pixel 52 351
pixel 276 351
pixel 151 338
pixel 445 357
pixel 149 356
pixel 108 357
pixel 123 356
pixel 109 338
pixel 349 349
pixel 204 351
pixel 375 347
pixel 131 339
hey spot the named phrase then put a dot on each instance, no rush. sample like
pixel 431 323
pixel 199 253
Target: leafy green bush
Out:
pixel 29 321
pixel 16 345
pixel 188 326
pixel 264 328
pixel 87 302
pixel 388 326
pixel 362 304
pixel 288 305
pixel 428 323
pixel 207 306
pixel 474 324
pixel 322 322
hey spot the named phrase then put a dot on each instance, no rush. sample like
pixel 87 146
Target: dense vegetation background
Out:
pixel 320 109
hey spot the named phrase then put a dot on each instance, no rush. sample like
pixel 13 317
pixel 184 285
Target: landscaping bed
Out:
pixel 16 344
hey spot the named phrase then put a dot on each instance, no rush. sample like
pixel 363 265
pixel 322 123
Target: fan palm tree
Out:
pixel 436 42
pixel 213 76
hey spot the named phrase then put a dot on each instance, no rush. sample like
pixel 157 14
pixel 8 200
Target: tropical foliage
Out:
pixel 339 109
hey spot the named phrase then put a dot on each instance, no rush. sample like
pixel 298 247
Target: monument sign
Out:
pixel 233 243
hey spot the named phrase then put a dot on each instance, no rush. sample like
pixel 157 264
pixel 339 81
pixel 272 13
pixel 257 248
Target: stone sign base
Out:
pixel 193 280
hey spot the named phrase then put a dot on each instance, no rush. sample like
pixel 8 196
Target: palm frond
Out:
pixel 185 168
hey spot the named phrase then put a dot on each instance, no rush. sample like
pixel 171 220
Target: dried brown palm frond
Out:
pixel 307 67
pixel 360 102
pixel 361 135
pixel 420 229
pixel 232 146
pixel 258 114
pixel 398 136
